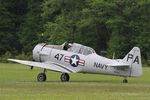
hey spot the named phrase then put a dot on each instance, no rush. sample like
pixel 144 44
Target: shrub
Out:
pixel 6 56
pixel 24 56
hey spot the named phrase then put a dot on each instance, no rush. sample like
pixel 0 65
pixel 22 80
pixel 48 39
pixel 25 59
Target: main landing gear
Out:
pixel 64 77
pixel 42 77
pixel 125 81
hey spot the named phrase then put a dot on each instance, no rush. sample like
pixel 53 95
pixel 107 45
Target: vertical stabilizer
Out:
pixel 133 58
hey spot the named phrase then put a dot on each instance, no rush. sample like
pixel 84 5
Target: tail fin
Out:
pixel 133 58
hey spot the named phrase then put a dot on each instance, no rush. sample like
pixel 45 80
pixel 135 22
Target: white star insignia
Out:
pixel 74 60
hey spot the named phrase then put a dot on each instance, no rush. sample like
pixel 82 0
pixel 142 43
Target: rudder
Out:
pixel 133 58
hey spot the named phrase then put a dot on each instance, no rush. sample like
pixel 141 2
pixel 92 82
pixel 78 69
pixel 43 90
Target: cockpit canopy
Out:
pixel 81 49
pixel 71 47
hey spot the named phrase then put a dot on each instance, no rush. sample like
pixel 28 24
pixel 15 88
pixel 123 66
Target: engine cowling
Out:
pixel 41 52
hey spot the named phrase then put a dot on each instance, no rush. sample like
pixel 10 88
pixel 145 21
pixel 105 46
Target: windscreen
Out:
pixel 78 48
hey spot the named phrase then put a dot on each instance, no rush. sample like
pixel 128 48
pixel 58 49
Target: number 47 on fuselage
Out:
pixel 76 58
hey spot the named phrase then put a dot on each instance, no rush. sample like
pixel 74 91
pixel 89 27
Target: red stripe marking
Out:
pixel 81 62
pixel 67 59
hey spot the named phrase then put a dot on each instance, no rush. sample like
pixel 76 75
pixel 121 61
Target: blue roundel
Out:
pixel 74 60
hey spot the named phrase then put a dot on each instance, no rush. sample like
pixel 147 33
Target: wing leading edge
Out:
pixel 46 65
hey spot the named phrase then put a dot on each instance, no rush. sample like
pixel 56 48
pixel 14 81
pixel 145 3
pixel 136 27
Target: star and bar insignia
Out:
pixel 74 60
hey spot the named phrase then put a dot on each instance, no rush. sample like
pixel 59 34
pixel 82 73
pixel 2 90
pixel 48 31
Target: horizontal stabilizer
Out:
pixel 118 64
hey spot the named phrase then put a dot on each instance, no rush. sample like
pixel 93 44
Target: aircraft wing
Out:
pixel 46 65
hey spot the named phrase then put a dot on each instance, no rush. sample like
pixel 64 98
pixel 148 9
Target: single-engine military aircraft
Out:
pixel 76 58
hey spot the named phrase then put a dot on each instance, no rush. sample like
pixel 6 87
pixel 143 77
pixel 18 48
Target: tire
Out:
pixel 64 77
pixel 125 81
pixel 41 77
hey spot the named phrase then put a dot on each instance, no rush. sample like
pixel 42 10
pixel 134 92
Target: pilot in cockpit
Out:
pixel 67 46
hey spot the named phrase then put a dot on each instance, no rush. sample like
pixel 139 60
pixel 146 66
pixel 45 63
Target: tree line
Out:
pixel 105 25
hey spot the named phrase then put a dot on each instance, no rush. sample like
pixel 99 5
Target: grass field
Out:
pixel 18 82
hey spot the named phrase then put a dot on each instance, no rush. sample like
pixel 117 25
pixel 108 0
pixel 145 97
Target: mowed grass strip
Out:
pixel 18 82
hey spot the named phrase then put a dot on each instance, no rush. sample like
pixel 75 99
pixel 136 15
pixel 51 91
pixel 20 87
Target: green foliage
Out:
pixel 6 56
pixel 115 26
pixel 24 56
pixel 32 26
pixel 129 26
pixel 75 21
pixel 148 63
pixel 8 36
pixel 62 18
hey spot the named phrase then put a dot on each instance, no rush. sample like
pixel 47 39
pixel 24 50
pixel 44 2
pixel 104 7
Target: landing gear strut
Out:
pixel 125 81
pixel 65 77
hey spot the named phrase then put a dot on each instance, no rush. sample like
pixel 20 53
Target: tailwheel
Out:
pixel 125 81
pixel 41 77
pixel 64 77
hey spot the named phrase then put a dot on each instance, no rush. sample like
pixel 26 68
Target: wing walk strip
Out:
pixel 49 66
pixel 63 67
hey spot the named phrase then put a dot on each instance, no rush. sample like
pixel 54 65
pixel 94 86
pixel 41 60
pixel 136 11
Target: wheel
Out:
pixel 41 77
pixel 64 77
pixel 125 81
